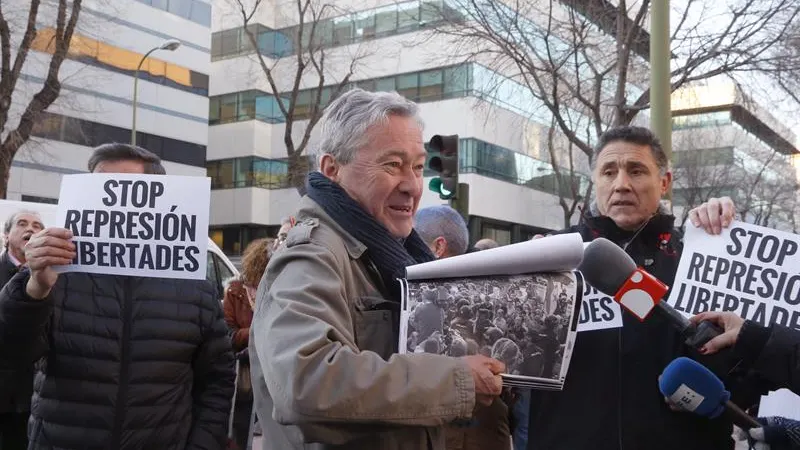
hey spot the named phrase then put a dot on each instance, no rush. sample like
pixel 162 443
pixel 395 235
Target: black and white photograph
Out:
pixel 521 320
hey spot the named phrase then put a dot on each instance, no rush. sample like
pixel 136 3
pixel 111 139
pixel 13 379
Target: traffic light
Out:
pixel 446 165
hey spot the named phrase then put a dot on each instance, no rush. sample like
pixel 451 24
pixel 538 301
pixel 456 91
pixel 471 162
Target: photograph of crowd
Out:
pixel 522 320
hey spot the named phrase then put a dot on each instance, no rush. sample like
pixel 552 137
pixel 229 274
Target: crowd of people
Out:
pixel 312 323
pixel 522 320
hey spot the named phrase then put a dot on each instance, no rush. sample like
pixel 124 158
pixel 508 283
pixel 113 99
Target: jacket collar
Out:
pixel 603 226
pixel 311 210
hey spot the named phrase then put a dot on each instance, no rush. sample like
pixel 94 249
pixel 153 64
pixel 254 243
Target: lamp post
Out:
pixel 660 88
pixel 170 45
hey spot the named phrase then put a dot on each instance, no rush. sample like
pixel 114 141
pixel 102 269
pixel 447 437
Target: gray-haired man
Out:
pixel 443 229
pixel 16 384
pixel 324 338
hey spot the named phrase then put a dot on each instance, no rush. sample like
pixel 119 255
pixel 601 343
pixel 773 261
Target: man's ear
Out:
pixel 439 247
pixel 666 182
pixel 329 167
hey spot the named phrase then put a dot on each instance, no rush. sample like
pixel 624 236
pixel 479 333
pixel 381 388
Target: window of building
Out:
pixel 363 25
pixel 704 157
pixel 194 10
pixel 91 134
pixel 386 20
pixel 408 85
pixel 227 108
pixel 103 55
pixel 201 13
pixel 37 199
pixel 431 85
pixel 246 107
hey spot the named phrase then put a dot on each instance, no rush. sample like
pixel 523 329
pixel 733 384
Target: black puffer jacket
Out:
pixel 16 383
pixel 126 362
pixel 611 399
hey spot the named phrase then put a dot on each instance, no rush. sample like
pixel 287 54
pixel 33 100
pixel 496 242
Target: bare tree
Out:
pixel 312 59
pixel 585 62
pixel 11 68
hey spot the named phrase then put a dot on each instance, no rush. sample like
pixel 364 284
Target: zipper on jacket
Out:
pixel 125 357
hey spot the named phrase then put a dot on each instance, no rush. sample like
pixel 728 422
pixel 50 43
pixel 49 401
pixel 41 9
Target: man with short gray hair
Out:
pixel 16 384
pixel 324 338
pixel 443 229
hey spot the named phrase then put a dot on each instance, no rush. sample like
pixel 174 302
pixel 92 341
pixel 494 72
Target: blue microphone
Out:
pixel 694 388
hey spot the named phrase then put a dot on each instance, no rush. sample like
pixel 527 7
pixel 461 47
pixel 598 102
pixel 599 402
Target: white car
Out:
pixel 219 267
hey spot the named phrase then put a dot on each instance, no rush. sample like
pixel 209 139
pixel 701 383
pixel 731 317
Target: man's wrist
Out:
pixel 34 291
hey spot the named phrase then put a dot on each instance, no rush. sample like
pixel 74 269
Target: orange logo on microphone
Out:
pixel 640 293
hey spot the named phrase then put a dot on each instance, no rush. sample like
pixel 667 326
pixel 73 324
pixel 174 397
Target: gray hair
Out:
pixel 13 218
pixel 443 221
pixel 634 135
pixel 346 120
pixel 486 244
pixel 126 152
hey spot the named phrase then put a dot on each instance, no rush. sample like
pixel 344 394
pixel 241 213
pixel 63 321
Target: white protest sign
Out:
pixel 138 225
pixel 748 269
pixel 598 311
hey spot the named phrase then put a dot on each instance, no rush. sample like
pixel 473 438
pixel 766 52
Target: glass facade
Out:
pixel 249 171
pixel 703 157
pixel 432 85
pixel 194 10
pixel 426 86
pixel 337 31
pixel 701 120
pixel 91 134
pixel 475 156
pixel 493 161
pixel 99 54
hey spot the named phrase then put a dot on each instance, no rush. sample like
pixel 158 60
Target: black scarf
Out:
pixel 389 254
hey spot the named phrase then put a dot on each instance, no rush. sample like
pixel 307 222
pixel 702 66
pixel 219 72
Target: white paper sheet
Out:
pixel 549 254
pixel 780 403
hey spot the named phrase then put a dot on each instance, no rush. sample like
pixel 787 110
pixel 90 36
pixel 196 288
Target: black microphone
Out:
pixel 612 271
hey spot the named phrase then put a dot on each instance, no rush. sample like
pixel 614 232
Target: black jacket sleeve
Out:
pixel 214 379
pixel 772 352
pixel 23 323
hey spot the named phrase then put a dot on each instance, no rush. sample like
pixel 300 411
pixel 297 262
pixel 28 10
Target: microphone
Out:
pixel 612 271
pixel 694 388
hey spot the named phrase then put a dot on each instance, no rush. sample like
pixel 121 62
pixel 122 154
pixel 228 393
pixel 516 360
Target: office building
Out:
pixel 503 134
pixel 726 144
pixel 95 105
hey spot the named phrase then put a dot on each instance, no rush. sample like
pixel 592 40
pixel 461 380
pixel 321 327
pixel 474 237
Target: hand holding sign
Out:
pixel 714 215
pixel 47 248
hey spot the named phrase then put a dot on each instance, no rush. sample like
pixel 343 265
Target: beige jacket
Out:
pixel 324 342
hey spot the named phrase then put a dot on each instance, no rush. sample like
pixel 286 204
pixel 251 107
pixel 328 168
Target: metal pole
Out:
pixel 660 87
pixel 136 93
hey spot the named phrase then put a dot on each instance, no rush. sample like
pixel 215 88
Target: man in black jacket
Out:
pixel 124 362
pixel 611 399
pixel 16 384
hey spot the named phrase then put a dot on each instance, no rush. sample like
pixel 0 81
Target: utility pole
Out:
pixel 660 86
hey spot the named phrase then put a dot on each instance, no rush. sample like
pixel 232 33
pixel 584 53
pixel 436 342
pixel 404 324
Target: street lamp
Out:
pixel 170 45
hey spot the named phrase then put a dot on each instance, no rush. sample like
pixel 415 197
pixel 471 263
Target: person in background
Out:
pixel 446 233
pixel 324 344
pixel 16 383
pixel 286 224
pixel 239 303
pixel 486 244
pixel 124 362
pixel 443 229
